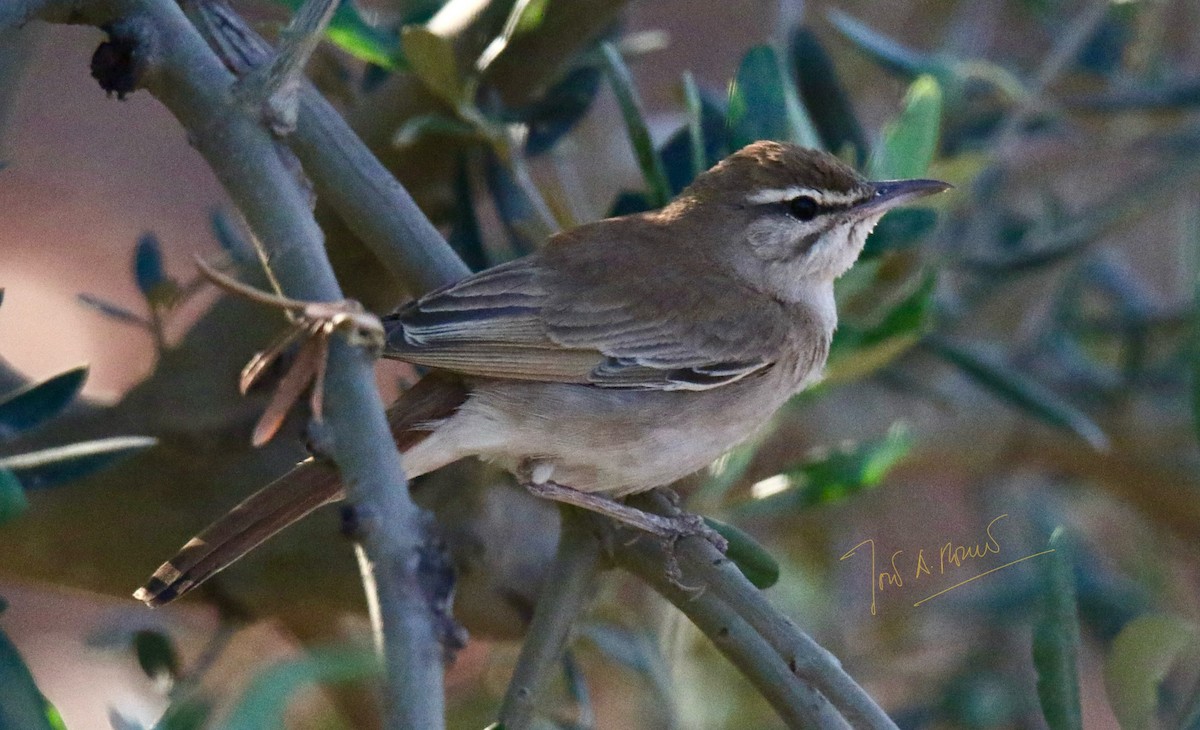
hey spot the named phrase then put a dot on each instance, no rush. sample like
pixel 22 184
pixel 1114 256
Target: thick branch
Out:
pixel 348 177
pixel 703 565
pixel 798 704
pixel 566 591
pixel 192 83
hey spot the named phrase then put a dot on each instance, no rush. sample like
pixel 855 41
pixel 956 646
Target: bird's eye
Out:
pixel 802 208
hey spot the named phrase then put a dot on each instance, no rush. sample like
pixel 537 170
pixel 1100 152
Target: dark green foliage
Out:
pixel 764 103
pixel 155 654
pixel 514 209
pixel 12 496
pixel 464 234
pixel 22 706
pixel 37 403
pixel 264 700
pixel 148 272
pixel 1056 641
pixel 859 349
pixel 824 97
pixel 560 108
pixel 899 230
pixel 751 558
pixel 885 51
pixel 651 165
pixel 837 475
pixel 679 155
pixel 349 31
pixel 60 464
pixel 1002 380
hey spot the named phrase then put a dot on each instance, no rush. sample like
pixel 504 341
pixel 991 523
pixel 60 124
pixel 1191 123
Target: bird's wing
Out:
pixel 559 318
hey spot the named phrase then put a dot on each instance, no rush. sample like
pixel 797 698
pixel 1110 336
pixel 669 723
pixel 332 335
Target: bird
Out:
pixel 621 356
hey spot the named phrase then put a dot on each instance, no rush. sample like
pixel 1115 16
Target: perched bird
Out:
pixel 624 355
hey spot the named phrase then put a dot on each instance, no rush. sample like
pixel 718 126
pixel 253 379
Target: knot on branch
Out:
pixel 119 62
pixel 437 579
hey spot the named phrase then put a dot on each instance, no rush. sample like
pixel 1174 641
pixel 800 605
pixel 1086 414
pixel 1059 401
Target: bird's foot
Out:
pixel 669 529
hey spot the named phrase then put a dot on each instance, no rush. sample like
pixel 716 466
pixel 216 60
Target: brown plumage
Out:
pixel 626 354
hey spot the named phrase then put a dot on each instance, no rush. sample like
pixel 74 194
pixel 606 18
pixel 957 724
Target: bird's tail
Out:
pixel 292 497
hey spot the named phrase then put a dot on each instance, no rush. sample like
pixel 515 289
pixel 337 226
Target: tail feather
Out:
pixel 269 510
pixel 292 497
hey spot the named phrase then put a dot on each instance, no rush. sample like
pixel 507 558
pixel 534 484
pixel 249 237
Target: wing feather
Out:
pixel 558 318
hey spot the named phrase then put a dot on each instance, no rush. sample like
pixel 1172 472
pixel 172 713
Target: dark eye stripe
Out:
pixel 785 207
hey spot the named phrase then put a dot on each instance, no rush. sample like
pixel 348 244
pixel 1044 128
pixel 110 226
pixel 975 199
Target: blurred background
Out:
pixel 1020 357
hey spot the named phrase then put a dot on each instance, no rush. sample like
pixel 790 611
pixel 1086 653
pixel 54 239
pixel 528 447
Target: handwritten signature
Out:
pixel 948 555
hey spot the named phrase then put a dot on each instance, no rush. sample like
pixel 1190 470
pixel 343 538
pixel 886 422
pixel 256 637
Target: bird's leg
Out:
pixel 535 478
pixel 665 527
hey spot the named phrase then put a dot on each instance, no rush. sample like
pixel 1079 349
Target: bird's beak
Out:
pixel 892 193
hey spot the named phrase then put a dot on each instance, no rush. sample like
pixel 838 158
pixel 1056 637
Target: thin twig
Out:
pixel 567 588
pixel 1069 43
pixel 193 84
pixel 274 88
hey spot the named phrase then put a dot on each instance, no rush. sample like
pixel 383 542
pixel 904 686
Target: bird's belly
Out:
pixel 613 441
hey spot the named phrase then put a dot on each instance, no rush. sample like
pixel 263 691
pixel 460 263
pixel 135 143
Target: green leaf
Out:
pixel 48 467
pixel 858 351
pixel 263 703
pixel 910 142
pixel 349 31
pixel 695 124
pixel 883 50
pixel 148 271
pixel 764 103
pixel 431 58
pixel 747 554
pixel 999 378
pixel 525 16
pixel 560 109
pixel 823 95
pixel 231 237
pixel 155 654
pixel 53 716
pixel 528 16
pixel 1140 658
pixel 21 703
pixel 112 311
pixel 635 126
pixel 680 156
pixel 12 496
pixel 899 230
pixel 1194 354
pixel 414 128
pixel 37 403
pixel 834 476
pixel 188 712
pixel 1056 642
pixel 117 721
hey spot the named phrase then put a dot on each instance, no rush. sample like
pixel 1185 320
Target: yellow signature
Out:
pixel 948 554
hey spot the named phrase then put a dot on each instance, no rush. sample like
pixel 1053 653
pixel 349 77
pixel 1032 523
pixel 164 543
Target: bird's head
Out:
pixel 786 217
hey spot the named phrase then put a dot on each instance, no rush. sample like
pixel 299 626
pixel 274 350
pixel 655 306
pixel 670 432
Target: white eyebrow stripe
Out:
pixel 778 195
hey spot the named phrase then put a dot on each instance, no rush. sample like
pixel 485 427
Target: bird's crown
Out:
pixel 776 171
